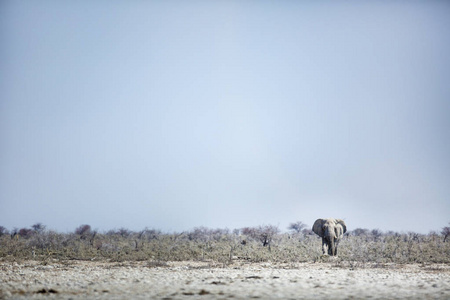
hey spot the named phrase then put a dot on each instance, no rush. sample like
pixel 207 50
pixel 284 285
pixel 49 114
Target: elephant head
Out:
pixel 331 231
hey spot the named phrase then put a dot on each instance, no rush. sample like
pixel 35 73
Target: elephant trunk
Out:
pixel 333 247
pixel 331 236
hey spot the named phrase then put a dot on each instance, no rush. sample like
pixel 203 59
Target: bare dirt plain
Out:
pixel 240 280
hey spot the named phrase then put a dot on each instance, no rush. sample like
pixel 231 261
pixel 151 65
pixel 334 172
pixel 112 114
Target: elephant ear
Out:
pixel 339 221
pixel 318 227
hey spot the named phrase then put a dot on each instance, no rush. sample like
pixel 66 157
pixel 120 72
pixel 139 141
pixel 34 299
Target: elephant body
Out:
pixel 331 231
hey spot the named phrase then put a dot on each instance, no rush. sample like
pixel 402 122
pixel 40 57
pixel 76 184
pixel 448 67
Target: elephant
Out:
pixel 331 231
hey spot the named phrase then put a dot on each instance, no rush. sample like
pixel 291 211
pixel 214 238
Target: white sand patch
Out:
pixel 241 280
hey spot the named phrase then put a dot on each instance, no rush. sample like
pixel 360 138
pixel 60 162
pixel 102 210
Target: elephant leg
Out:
pixel 330 250
pixel 336 249
pixel 324 246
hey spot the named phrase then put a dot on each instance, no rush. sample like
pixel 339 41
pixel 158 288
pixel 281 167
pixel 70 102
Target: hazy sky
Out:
pixel 177 114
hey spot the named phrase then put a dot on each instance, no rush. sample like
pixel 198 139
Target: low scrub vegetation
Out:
pixel 255 244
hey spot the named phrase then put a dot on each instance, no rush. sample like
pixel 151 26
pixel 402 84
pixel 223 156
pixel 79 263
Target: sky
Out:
pixel 226 114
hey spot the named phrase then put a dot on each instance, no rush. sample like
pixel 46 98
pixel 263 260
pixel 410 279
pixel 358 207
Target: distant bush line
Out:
pixel 254 244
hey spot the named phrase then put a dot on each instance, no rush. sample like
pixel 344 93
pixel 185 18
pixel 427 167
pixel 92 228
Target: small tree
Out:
pixel 26 232
pixel 446 232
pixel 376 234
pixel 3 231
pixel 201 234
pixel 267 234
pixel 38 227
pixel 264 234
pixel 14 232
pixel 150 234
pixel 307 231
pixel 360 232
pixel 83 230
pixel 297 227
pixel 86 233
pixel 123 232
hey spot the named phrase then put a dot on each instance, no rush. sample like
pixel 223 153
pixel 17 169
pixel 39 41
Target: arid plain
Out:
pixel 206 280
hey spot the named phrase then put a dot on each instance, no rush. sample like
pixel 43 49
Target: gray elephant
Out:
pixel 331 231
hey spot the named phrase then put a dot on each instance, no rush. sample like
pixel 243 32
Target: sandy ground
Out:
pixel 241 280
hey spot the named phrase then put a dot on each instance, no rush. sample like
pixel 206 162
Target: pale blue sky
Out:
pixel 176 114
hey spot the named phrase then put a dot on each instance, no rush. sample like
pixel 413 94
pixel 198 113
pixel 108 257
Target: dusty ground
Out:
pixel 191 280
